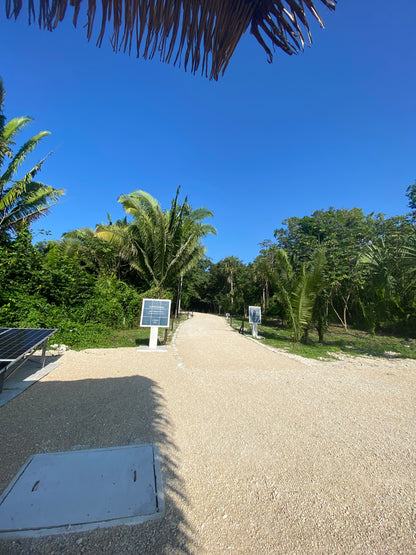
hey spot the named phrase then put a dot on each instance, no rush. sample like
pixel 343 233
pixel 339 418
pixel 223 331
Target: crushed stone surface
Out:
pixel 261 452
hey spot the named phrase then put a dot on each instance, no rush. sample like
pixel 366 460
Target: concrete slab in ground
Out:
pixel 55 493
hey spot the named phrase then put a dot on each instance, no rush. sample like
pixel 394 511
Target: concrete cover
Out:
pixel 81 490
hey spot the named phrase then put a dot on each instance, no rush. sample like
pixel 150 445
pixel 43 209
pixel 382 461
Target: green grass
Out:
pixel 336 340
pixel 96 336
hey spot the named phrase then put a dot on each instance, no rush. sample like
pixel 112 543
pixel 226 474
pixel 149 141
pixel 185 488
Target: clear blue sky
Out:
pixel 334 126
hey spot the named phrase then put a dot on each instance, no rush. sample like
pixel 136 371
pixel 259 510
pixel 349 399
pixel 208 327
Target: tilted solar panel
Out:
pixel 16 342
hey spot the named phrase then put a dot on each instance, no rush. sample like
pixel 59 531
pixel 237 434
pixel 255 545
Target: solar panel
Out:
pixel 18 343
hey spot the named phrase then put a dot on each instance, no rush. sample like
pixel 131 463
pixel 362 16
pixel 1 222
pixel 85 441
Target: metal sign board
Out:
pixel 254 315
pixel 155 313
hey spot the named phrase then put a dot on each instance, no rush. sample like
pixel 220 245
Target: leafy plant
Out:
pixel 298 290
pixel 22 199
pixel 159 245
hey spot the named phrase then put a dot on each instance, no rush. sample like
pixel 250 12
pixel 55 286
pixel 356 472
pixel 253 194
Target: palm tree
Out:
pixel 23 199
pixel 392 279
pixel 161 246
pixel 93 253
pixel 208 30
pixel 298 290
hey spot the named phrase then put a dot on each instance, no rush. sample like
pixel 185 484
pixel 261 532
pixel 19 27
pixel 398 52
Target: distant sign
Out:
pixel 155 313
pixel 254 315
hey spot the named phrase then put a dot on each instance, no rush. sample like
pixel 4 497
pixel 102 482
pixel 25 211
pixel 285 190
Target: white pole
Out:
pixel 255 330
pixel 153 337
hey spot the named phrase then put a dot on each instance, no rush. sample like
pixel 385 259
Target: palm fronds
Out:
pixel 298 291
pixel 197 33
pixel 21 199
pixel 159 245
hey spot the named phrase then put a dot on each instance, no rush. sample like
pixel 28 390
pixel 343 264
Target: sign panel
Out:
pixel 254 315
pixel 155 313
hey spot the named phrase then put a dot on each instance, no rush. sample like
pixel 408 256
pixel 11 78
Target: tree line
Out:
pixel 337 265
pixel 92 279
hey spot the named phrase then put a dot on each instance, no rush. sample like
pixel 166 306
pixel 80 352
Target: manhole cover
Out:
pixel 81 490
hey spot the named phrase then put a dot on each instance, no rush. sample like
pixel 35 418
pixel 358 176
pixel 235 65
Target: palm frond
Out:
pixel 32 201
pixel 14 126
pixel 21 155
pixel 11 190
pixel 4 147
pixel 196 33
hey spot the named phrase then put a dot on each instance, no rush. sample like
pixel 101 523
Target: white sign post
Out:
pixel 155 315
pixel 254 318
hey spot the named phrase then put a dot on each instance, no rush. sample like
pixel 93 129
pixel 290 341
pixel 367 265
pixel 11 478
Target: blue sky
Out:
pixel 334 126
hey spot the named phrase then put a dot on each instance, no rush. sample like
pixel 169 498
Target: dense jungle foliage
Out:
pixel 336 265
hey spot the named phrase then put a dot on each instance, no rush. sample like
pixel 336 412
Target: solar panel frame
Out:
pixel 17 345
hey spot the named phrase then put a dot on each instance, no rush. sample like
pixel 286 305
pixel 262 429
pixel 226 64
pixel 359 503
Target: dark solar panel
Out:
pixel 14 343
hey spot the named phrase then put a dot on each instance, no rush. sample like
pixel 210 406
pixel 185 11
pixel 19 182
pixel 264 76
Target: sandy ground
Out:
pixel 262 452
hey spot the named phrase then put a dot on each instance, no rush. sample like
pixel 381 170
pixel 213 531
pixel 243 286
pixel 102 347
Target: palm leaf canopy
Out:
pixel 204 32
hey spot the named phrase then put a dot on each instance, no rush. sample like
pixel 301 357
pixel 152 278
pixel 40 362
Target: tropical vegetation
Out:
pixel 337 268
pixel 22 199
pixel 334 271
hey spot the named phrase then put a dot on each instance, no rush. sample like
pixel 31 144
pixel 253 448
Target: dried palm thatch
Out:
pixel 205 32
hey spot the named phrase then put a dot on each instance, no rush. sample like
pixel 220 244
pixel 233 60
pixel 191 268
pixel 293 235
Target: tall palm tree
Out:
pixel 22 199
pixel 161 245
pixel 207 30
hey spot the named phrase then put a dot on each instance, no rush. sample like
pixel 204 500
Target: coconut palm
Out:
pixel 161 245
pixel 22 199
pixel 206 31
pixel 298 290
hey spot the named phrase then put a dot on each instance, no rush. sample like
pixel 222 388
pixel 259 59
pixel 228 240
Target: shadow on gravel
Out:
pixel 88 414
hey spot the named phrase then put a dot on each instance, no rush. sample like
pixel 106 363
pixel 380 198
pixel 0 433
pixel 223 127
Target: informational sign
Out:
pixel 155 313
pixel 254 315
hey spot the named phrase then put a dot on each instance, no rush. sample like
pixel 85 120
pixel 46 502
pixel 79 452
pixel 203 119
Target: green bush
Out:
pixel 114 304
pixel 80 336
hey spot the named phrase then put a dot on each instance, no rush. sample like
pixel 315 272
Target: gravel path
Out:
pixel 262 452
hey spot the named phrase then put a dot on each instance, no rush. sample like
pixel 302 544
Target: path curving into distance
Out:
pixel 288 457
pixel 261 453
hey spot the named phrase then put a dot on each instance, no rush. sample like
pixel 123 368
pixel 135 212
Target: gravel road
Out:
pixel 261 452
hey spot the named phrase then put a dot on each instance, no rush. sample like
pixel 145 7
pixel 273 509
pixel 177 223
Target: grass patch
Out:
pixel 97 336
pixel 336 340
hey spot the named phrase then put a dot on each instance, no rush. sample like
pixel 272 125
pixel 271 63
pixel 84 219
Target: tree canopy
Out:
pixel 160 245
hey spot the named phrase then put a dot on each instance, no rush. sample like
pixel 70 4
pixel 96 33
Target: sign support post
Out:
pixel 153 337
